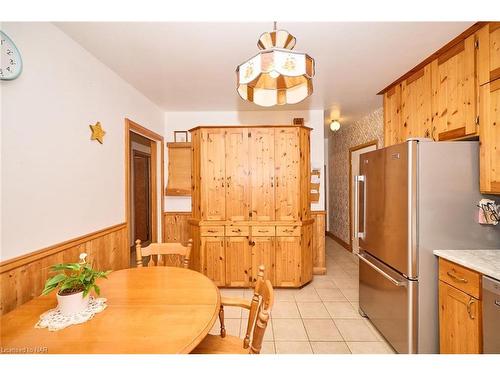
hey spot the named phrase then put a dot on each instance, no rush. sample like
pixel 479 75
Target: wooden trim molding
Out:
pixel 319 257
pixel 342 243
pixel 131 126
pixel 23 278
pixel 441 52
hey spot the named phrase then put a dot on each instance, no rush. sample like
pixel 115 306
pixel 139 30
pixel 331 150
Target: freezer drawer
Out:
pixel 389 301
pixel 491 316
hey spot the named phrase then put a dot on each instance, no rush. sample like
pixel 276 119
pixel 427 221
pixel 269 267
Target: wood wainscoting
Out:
pixel 23 278
pixel 176 227
pixel 319 261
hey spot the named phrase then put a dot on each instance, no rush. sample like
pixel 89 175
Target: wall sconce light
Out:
pixel 334 125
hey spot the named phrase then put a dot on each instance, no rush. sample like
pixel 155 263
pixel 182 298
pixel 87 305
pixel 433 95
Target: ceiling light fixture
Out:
pixel 276 75
pixel 334 125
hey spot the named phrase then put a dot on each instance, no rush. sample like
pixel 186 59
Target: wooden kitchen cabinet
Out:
pixel 489 98
pixel 263 253
pixel 238 262
pixel 392 116
pixel 288 261
pixel 250 197
pixel 213 174
pixel 262 174
pixel 237 174
pixel 213 261
pixel 454 102
pixel 488 55
pixel 287 173
pixel 460 314
pixel 416 113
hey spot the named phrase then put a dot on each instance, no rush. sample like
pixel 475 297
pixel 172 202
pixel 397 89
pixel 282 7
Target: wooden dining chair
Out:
pixel 166 254
pixel 259 309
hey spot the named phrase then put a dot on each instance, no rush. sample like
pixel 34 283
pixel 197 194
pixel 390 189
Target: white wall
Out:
pixel 56 183
pixel 188 120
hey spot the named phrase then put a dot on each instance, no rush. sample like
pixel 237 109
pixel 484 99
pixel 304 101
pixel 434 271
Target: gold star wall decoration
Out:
pixel 97 132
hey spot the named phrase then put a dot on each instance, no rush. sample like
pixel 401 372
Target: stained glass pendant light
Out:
pixel 276 75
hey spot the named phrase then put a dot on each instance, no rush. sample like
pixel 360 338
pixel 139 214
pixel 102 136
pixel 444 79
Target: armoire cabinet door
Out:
pixel 262 174
pixel 213 164
pixel 263 254
pixel 416 113
pixel 392 116
pixel 288 261
pixel 459 321
pixel 213 259
pixel 488 53
pixel 238 262
pixel 489 149
pixel 287 175
pixel 453 92
pixel 237 174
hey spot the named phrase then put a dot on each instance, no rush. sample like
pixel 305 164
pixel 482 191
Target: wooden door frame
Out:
pixel 150 188
pixel 131 126
pixel 351 150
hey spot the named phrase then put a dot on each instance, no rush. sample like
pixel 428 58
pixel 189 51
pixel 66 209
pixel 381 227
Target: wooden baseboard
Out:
pixel 23 278
pixel 342 243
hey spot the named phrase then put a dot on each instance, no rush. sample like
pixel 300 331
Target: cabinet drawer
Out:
pixel 288 230
pixel 460 277
pixel 263 231
pixel 212 231
pixel 237 230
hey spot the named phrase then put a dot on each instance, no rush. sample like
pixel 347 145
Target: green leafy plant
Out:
pixel 74 278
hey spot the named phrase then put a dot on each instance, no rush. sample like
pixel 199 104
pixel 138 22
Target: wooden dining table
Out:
pixel 149 310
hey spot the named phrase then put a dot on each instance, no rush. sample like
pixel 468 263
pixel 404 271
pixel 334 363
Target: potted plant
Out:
pixel 74 281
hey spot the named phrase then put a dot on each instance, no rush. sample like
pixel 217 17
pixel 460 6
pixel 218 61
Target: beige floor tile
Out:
pixel 331 295
pixel 354 330
pixel 312 310
pixel 330 347
pixel 346 283
pixel 342 310
pixel 268 348
pixel 352 295
pixel 232 292
pixel 232 327
pixel 293 347
pixel 284 309
pixel 374 330
pixel 307 295
pixel 361 347
pixel 232 312
pixel 284 295
pixel 323 283
pixel 322 330
pixel 289 330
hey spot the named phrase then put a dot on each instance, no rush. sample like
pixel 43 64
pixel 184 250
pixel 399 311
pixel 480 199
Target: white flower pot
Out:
pixel 72 303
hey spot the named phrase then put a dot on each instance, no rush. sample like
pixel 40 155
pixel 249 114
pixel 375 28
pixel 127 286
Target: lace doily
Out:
pixel 54 320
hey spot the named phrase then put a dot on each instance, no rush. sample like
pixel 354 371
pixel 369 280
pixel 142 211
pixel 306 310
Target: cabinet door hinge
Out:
pixel 476 44
pixel 477 120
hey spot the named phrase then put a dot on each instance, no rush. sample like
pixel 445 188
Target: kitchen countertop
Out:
pixel 486 262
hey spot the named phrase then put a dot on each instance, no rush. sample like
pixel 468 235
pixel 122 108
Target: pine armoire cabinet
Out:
pixel 250 204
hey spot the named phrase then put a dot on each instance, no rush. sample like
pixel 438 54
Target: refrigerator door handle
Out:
pixel 382 272
pixel 357 180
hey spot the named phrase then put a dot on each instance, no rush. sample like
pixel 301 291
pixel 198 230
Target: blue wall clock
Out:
pixel 11 62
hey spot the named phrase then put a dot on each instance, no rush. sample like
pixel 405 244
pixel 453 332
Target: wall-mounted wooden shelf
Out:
pixel 179 169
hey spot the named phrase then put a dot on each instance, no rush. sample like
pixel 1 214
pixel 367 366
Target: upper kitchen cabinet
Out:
pixel 392 116
pixel 416 111
pixel 454 102
pixel 489 107
pixel 488 55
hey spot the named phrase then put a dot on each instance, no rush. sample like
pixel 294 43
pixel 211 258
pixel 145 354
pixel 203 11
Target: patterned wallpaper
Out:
pixel 367 129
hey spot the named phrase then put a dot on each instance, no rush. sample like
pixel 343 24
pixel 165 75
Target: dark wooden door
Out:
pixel 142 198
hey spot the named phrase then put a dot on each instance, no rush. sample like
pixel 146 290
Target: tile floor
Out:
pixel 320 318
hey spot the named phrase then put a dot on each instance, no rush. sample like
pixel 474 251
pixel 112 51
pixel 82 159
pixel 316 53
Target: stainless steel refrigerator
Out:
pixel 410 199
